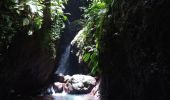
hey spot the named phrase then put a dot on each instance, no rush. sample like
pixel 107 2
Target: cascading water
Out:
pixel 64 62
pixel 68 63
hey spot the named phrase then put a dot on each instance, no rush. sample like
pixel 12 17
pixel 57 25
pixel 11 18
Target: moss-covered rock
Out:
pixel 135 52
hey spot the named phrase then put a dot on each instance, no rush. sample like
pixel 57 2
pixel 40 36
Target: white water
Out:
pixel 64 61
pixel 73 97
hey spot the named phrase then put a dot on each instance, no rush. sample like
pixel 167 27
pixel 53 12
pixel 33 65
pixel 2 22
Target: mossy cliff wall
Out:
pixel 135 51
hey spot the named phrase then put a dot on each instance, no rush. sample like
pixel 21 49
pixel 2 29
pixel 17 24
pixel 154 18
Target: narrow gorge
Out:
pixel 84 50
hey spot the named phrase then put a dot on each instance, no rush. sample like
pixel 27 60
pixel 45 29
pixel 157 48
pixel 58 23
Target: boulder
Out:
pixel 58 87
pixel 80 84
pixel 67 78
pixel 96 90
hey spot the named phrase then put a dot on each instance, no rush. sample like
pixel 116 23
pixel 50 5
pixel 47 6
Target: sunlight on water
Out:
pixel 60 94
pixel 66 96
pixel 73 97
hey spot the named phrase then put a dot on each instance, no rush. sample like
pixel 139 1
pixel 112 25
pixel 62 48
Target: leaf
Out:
pixel 102 11
pixel 30 32
pixel 94 68
pixel 33 7
pixel 60 11
pixel 62 6
pixel 93 57
pixel 40 13
pixel 65 18
pixel 15 1
pixel 38 23
pixel 65 1
pixel 86 57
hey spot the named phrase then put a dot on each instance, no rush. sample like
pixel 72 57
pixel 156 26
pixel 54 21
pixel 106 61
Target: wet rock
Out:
pixel 48 91
pixel 28 67
pixel 67 78
pixel 77 54
pixel 80 84
pixel 58 78
pixel 96 91
pixel 58 87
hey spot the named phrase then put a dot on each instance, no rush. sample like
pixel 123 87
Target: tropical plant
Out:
pixel 27 16
pixel 94 17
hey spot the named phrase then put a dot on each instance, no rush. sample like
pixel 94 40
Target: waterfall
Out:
pixel 64 62
pixel 68 63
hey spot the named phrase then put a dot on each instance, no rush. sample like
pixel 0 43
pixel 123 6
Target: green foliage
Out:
pixel 91 57
pixel 58 17
pixel 10 23
pixel 94 17
pixel 86 57
pixel 27 16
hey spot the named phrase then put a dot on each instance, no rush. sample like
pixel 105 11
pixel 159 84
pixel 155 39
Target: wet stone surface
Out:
pixel 76 84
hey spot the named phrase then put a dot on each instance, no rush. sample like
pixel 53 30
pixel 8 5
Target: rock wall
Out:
pixel 29 60
pixel 27 67
pixel 136 50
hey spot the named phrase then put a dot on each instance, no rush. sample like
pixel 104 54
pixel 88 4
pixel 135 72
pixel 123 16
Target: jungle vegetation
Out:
pixel 126 42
